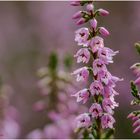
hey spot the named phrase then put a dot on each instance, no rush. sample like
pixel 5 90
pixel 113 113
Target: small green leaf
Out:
pixel 134 90
pixel 137 45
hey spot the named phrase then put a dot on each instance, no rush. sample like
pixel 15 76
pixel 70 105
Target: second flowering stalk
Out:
pixel 98 121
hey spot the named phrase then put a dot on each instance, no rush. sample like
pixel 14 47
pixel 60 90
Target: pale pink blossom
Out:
pixel 75 3
pixel 137 81
pixel 83 95
pixel 35 134
pixel 109 104
pixel 90 7
pixel 103 31
pixel 83 55
pixel 93 23
pixel 107 121
pixel 81 21
pixel 96 110
pixel 81 36
pixel 77 15
pixel 96 42
pixel 103 12
pixel 99 66
pixel 137 130
pixel 106 54
pixel 83 120
pixel 96 88
pixel 82 74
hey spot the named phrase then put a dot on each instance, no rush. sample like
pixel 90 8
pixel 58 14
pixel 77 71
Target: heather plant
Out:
pixel 100 94
pixel 56 87
pixel 135 115
pixel 9 123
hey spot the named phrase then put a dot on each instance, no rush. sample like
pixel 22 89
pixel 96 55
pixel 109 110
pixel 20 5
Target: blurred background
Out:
pixel 29 33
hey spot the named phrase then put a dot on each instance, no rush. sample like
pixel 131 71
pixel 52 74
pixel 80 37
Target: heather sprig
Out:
pixel 135 115
pixel 98 121
pixel 56 87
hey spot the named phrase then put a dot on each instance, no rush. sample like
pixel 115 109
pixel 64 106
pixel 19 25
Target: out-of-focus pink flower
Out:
pixel 107 121
pixel 82 95
pixel 83 55
pixel 81 36
pixel 35 134
pixel 103 12
pixel 136 69
pixel 93 23
pixel 98 66
pixel 96 43
pixel 75 3
pixel 77 15
pixel 90 7
pixel 11 129
pixel 81 21
pixel 103 31
pixel 106 54
pixel 137 81
pixel 82 74
pixel 83 120
pixel 39 106
pixel 96 110
pixel 96 88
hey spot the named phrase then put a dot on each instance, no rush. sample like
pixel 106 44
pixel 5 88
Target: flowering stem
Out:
pixel 99 119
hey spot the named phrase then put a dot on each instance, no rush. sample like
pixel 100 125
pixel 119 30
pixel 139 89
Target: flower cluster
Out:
pixel 101 91
pixel 135 115
pixel 56 86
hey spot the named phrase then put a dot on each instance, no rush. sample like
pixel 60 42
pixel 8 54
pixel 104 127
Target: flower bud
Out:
pixel 137 81
pixel 75 3
pixel 80 21
pixel 103 31
pixel 93 23
pixel 103 12
pixel 90 7
pixel 77 15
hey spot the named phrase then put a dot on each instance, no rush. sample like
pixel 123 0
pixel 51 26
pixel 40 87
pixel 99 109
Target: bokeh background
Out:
pixel 30 31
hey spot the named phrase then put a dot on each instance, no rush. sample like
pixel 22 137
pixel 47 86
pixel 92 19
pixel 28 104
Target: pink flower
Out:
pixel 83 120
pixel 109 91
pixel 90 7
pixel 96 43
pixel 137 81
pixel 109 104
pixel 103 31
pixel 103 12
pixel 96 88
pixel 39 106
pixel 82 95
pixel 107 121
pixel 82 74
pixel 83 55
pixel 137 130
pixel 81 36
pixel 93 23
pixel 136 69
pixel 96 110
pixel 81 21
pixel 136 123
pixel 106 54
pixel 35 134
pixel 77 15
pixel 75 3
pixel 98 66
